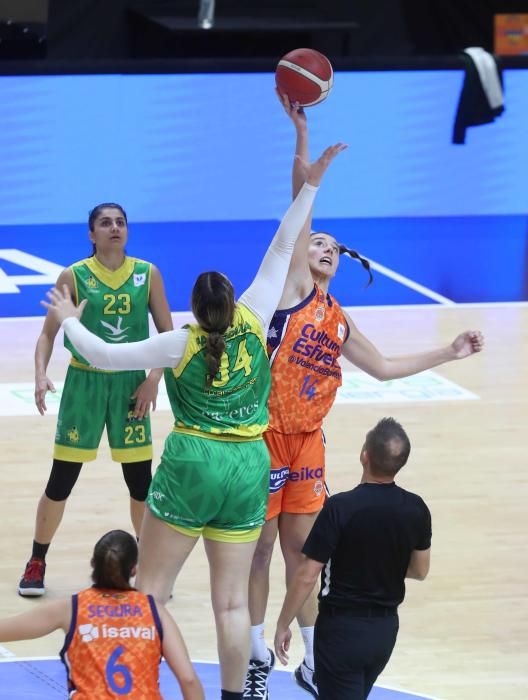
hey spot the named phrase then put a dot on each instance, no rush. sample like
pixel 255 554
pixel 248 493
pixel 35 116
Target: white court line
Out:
pixel 6 654
pixel 406 282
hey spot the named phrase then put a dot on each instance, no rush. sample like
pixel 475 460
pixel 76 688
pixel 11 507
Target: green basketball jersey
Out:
pixel 235 405
pixel 117 309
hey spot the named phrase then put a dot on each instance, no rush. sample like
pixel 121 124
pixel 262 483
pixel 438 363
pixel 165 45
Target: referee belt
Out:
pixel 357 610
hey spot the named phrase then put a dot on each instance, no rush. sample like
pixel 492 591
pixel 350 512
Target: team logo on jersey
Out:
pixel 88 632
pixel 340 331
pixel 318 488
pixel 115 596
pixel 91 282
pixel 140 279
pixel 278 478
pixel 73 434
pixel 320 314
pixel 115 334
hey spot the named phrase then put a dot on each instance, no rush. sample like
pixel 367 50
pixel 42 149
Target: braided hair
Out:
pixel 213 305
pixel 344 250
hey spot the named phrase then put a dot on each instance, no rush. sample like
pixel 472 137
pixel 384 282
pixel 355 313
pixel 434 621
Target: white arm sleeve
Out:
pixel 162 350
pixel 264 294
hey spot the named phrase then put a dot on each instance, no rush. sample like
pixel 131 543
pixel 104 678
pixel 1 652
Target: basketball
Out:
pixel 305 75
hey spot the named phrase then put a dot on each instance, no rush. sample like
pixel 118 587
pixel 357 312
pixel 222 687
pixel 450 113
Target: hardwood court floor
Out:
pixel 464 631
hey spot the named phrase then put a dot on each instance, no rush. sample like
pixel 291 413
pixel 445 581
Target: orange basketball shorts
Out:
pixel 297 476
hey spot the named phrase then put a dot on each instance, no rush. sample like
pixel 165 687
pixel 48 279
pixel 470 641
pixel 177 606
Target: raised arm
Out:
pixel 264 294
pixel 299 281
pixel 44 348
pixel 361 352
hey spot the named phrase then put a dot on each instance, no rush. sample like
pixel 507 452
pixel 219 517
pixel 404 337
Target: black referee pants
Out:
pixel 351 649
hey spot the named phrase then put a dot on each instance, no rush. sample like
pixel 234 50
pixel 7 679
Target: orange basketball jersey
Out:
pixel 113 646
pixel 304 345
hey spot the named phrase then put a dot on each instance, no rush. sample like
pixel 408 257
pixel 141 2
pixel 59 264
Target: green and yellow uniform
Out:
pixel 117 312
pixel 214 471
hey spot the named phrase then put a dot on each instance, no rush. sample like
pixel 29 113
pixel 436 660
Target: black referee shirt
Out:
pixel 365 538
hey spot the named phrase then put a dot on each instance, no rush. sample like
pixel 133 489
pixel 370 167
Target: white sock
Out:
pixel 308 636
pixel 259 650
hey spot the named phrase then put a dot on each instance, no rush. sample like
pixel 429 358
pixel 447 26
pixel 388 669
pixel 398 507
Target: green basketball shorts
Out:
pixel 93 399
pixel 215 488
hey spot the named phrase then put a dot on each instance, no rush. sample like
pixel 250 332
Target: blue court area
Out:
pixel 415 260
pixel 28 679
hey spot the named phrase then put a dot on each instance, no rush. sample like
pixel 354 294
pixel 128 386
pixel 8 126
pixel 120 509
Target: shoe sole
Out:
pixel 31 592
pixel 297 677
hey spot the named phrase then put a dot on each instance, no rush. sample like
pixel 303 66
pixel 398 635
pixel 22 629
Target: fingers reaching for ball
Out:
pixel 314 171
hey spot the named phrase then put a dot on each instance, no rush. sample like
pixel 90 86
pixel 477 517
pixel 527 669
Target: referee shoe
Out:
pixel 256 685
pixel 304 676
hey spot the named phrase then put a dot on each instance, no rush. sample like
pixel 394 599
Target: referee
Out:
pixel 365 542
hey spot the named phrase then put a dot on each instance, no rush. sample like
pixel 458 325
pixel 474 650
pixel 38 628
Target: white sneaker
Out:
pixel 304 676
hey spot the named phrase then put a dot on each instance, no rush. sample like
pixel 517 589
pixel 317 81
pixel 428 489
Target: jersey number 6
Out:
pixel 114 670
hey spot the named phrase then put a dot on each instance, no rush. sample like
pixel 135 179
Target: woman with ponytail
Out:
pixel 306 337
pixel 214 471
pixel 115 635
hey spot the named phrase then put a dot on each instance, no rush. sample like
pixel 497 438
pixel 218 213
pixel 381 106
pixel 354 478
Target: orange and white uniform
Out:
pixel 113 646
pixel 304 345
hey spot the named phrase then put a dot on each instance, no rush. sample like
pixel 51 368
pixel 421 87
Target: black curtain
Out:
pixel 87 29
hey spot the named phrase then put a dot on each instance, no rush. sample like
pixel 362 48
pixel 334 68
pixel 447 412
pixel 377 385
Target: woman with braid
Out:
pixel 306 337
pixel 115 635
pixel 214 471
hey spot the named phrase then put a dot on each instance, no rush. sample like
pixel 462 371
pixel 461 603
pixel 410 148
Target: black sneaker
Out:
pixel 304 676
pixel 256 685
pixel 32 582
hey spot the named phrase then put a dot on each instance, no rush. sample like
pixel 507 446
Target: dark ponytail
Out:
pixel 214 349
pixel 213 305
pixel 343 250
pixel 114 558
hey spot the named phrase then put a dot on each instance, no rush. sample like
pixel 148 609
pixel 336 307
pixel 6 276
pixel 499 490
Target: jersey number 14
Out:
pixel 242 362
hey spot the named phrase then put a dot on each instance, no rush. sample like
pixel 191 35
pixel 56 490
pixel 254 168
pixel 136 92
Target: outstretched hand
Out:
pixel 294 110
pixel 61 305
pixel 313 172
pixel 467 344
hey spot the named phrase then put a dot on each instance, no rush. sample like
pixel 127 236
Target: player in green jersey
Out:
pixel 214 471
pixel 121 291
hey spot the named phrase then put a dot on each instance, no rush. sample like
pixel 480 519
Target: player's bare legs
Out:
pixel 260 571
pixel 162 553
pixel 294 528
pixel 229 565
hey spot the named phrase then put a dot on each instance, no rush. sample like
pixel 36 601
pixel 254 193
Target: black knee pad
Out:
pixel 62 479
pixel 138 476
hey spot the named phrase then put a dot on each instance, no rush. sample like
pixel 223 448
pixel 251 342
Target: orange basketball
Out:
pixel 305 75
